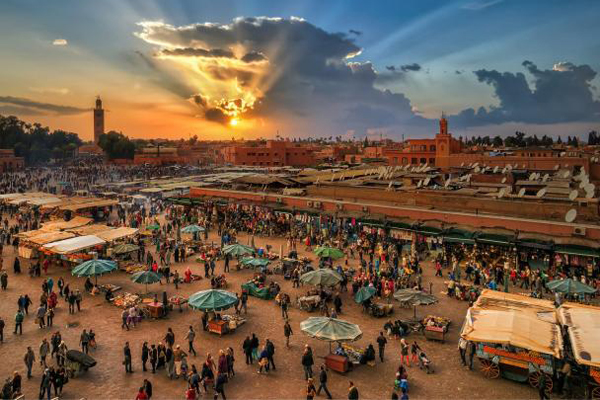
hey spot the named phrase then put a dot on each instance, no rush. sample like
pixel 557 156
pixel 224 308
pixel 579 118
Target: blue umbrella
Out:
pixel 94 268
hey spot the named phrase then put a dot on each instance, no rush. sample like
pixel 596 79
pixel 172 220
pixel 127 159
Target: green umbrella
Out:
pixel 364 293
pixel 94 268
pixel 193 229
pixel 153 227
pixel 329 252
pixel 238 250
pixel 414 298
pixel 212 300
pixel 323 276
pixel 256 262
pixel 330 329
pixel 125 248
pixel 570 286
pixel 146 277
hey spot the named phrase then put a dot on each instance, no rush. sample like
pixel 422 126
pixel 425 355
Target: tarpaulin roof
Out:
pixel 118 233
pixel 74 244
pixel 43 237
pixel 577 250
pixel 90 229
pixel 89 204
pixel 63 225
pixel 584 329
pixel 509 319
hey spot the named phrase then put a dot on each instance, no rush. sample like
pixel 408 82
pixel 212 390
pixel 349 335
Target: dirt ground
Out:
pixel 109 380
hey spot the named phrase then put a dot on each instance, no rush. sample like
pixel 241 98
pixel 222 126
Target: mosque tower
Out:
pixel 98 120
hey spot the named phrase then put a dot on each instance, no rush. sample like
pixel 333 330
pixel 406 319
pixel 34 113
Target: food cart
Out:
pixel 435 328
pixel 581 324
pixel 517 337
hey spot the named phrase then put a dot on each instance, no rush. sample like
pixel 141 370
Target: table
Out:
pixel 337 363
pixel 156 309
pixel 218 326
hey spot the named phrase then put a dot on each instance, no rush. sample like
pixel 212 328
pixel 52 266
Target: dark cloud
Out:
pixel 410 67
pixel 561 94
pixel 197 52
pixel 457 72
pixel 253 56
pixel 390 68
pixel 309 76
pixel 160 76
pixel 355 32
pixel 31 107
pixel 216 115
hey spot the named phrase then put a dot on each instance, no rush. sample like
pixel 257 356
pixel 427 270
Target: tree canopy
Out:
pixel 35 142
pixel 116 145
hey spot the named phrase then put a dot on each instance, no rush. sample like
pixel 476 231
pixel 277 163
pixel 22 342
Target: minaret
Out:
pixel 443 125
pixel 98 120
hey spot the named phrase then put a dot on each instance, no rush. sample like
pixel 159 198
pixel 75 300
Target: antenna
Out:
pixel 426 181
pixel 521 192
pixel 571 215
pixel 566 174
pixel 496 169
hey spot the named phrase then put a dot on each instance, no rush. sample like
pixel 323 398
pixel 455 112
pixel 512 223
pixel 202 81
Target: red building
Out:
pixel 9 162
pixel 276 153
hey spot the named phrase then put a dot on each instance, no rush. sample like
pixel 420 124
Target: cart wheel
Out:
pixel 534 379
pixel 489 369
pixel 595 392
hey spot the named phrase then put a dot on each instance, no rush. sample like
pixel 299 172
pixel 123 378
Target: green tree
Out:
pixel 117 145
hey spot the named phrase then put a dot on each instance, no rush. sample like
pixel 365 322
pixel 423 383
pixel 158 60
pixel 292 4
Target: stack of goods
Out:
pixel 354 354
pixel 132 268
pixel 126 300
pixel 234 321
pixel 438 322
pixel 177 300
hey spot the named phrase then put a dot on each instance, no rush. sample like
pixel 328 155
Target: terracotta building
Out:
pixel 276 153
pixel 9 162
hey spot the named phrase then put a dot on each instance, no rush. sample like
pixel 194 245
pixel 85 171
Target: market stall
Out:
pixel 213 301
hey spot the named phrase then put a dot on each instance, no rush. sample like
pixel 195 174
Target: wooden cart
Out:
pixel 437 331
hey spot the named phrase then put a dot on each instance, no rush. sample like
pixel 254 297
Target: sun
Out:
pixel 234 122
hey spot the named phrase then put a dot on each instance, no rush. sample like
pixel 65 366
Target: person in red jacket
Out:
pixel 141 394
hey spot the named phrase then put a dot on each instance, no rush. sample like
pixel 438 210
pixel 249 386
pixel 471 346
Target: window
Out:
pixel 423 148
pixel 432 147
pixel 404 160
pixel 432 161
pixel 423 160
pixel 413 160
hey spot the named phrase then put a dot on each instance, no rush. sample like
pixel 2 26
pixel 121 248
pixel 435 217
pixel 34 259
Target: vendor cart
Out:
pixel 77 362
pixel 309 303
pixel 435 328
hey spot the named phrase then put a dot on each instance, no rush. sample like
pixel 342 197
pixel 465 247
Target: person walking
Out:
pixel 462 350
pixel 29 359
pixel 153 357
pixel 352 391
pixel 170 362
pixel 124 317
pixel 254 343
pixel 145 354
pixel 270 347
pixel 2 325
pixel 287 332
pixel 323 382
pixel 381 342
pixel 46 384
pixel 220 386
pixel 307 362
pixel 84 341
pixel 310 389
pixel 190 336
pixel 127 360
pixel 19 317
pixel 148 388
pixel 404 352
pixel 178 356
pixel 472 348
pixel 44 350
pixel 284 307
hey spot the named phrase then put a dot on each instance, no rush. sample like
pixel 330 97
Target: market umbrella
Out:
pixel 364 293
pixel 330 330
pixel 125 248
pixel 153 227
pixel 212 300
pixel 255 262
pixel 193 229
pixel 570 286
pixel 329 252
pixel 414 298
pixel 238 250
pixel 146 277
pixel 94 268
pixel 323 276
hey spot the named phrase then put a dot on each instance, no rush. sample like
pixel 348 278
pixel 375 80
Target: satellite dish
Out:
pixel 521 192
pixel 545 178
pixel 541 193
pixel 566 174
pixel 426 181
pixel 582 184
pixel 589 195
pixel 501 193
pixel 477 169
pixel 447 183
pixel 524 166
pixel 509 167
pixel 390 185
pixel 571 215
pixel 503 180
pixel 532 176
pixel 563 153
pixel 469 178
pixel 573 195
pixel 496 169
pixel 419 183
pixel 475 165
pixel 462 164
pixel 504 170
pixel 590 188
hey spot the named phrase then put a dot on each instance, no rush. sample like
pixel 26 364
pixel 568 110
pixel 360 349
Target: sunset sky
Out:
pixel 249 68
